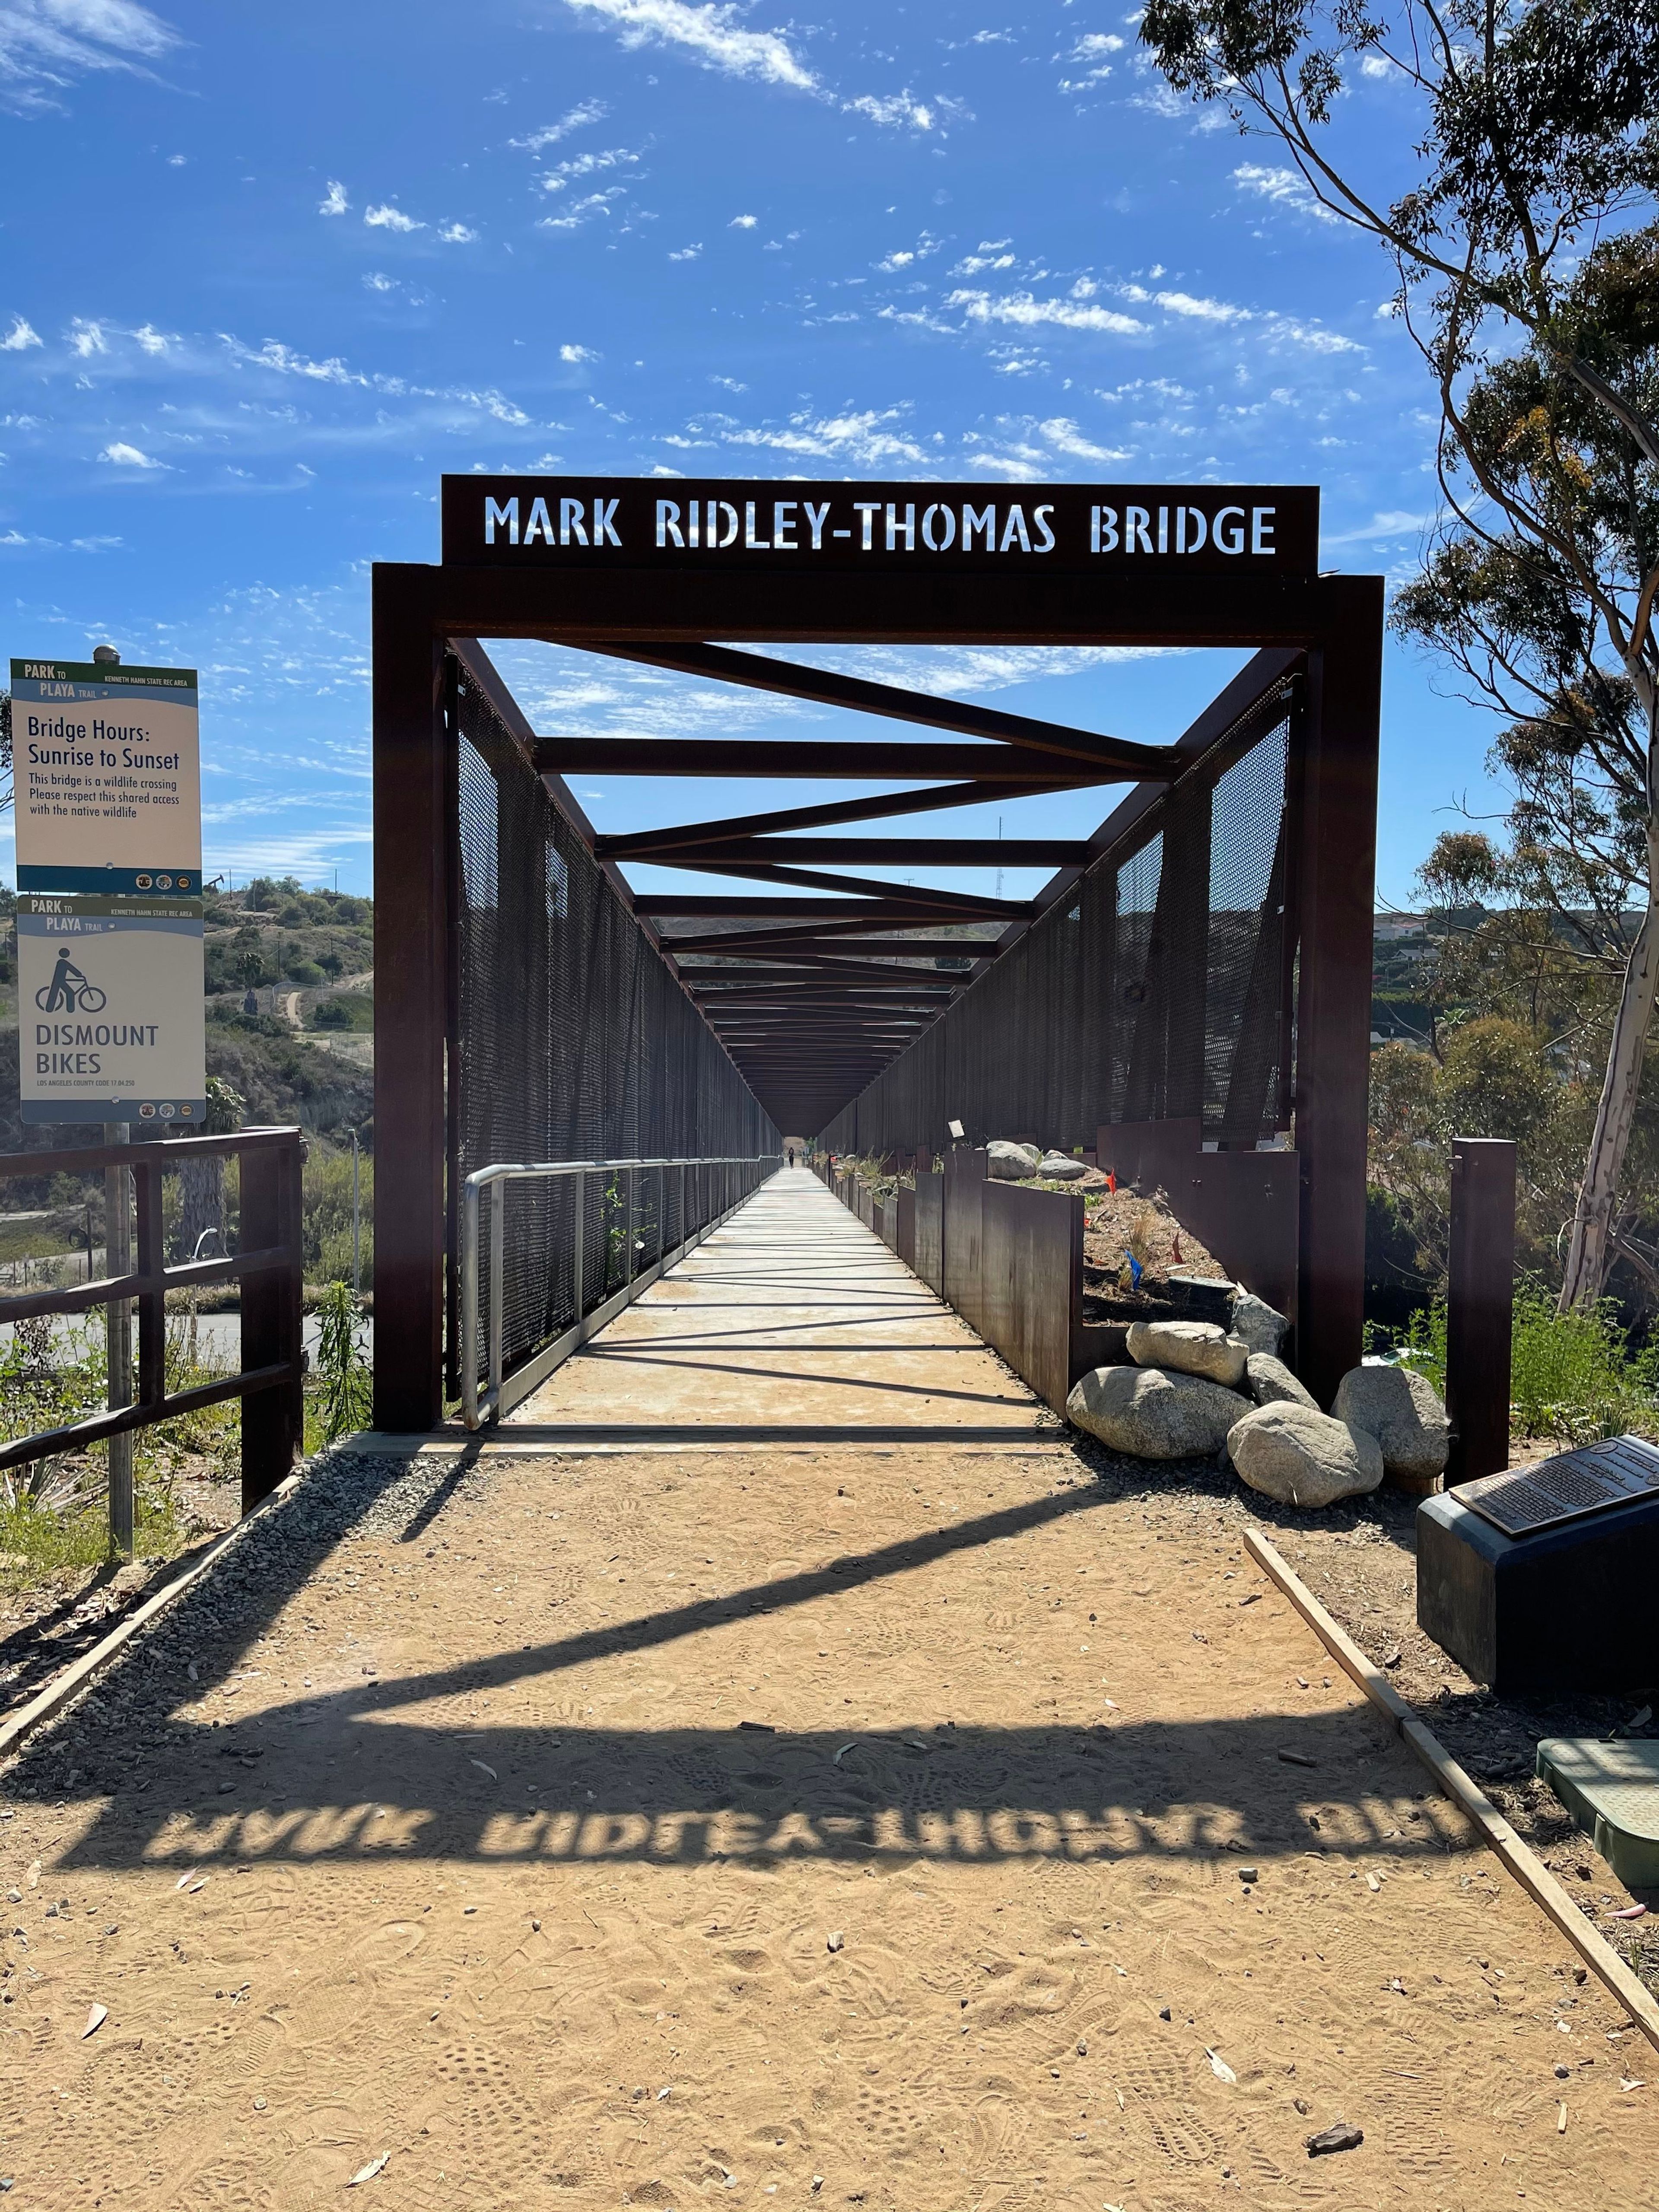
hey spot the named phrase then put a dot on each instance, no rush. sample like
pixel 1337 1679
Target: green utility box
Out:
pixel 1612 1790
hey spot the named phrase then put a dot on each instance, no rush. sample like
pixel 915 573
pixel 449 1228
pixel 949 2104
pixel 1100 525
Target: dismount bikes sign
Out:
pixel 1103 530
pixel 110 1010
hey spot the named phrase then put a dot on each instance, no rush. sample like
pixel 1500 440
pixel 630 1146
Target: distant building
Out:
pixel 1388 928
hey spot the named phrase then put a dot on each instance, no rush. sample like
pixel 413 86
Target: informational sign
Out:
pixel 633 522
pixel 107 769
pixel 110 1011
pixel 1588 1480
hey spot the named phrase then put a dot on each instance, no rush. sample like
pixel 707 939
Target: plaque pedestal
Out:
pixel 1567 1608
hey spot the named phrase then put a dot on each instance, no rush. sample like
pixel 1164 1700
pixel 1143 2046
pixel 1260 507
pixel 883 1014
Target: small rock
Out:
pixel 1010 1163
pixel 259 2105
pixel 1563 2072
pixel 1302 2106
pixel 1270 1382
pixel 1250 1873
pixel 1082 2051
pixel 1341 2137
pixel 1061 1167
pixel 1302 1457
pixel 1262 1327
pixel 1191 1348
pixel 1402 1410
pixel 1163 2012
pixel 1152 1414
pixel 836 1942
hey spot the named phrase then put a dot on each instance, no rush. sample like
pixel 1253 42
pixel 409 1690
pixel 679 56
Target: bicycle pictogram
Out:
pixel 69 991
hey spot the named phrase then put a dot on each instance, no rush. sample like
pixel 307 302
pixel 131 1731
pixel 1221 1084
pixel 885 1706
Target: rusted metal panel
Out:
pixel 929 1259
pixel 1479 1305
pixel 1244 1206
pixel 1031 1270
pixel 904 1243
pixel 886 1222
pixel 965 1185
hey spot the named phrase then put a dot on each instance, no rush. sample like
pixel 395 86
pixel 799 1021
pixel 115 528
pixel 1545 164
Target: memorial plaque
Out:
pixel 1565 1488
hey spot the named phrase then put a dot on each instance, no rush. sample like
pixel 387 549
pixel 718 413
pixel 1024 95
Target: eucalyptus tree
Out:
pixel 1525 261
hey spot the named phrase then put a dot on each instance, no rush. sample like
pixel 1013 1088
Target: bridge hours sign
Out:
pixel 107 762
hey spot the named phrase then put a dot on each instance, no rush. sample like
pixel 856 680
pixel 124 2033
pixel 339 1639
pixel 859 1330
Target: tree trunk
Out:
pixel 1591 1253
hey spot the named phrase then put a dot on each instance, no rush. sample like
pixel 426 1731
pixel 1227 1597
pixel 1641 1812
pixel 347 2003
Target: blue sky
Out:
pixel 264 273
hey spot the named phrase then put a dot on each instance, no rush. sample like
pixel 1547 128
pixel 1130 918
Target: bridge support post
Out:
pixel 1336 868
pixel 414 782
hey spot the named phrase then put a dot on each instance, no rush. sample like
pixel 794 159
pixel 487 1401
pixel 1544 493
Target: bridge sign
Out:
pixel 736 524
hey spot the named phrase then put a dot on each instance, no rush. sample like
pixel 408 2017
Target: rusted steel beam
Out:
pixel 758 672
pixel 645 844
pixel 768 759
pixel 878 852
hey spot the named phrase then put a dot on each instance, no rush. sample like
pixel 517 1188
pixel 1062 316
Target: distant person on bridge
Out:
pixel 791 1156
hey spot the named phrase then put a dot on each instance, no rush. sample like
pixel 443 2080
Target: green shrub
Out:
pixel 1572 1375
pixel 344 1379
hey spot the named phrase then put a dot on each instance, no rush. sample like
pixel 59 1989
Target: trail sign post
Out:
pixel 106 764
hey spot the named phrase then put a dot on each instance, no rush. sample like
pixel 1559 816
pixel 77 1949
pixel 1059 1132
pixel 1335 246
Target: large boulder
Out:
pixel 1262 1327
pixel 1061 1167
pixel 1402 1410
pixel 1152 1414
pixel 1196 1347
pixel 1302 1457
pixel 1010 1163
pixel 1270 1382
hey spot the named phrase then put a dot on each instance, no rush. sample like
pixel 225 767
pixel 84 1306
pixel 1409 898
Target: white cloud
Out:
pixel 902 259
pixel 150 340
pixel 1188 305
pixel 711 31
pixel 989 254
pixel 86 339
pixel 387 217
pixel 44 43
pixel 377 280
pixel 128 457
pixel 585 165
pixel 687 253
pixel 582 211
pixel 864 438
pixel 457 233
pixel 901 110
pixel 1313 337
pixel 577 353
pixel 1394 523
pixel 1375 65
pixel 1093 51
pixel 1022 311
pixel 743 223
pixel 1283 187
pixel 335 200
pixel 1064 436
pixel 19 337
pixel 576 118
pixel 177 160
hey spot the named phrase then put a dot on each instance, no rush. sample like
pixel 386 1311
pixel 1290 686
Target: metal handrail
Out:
pixel 477 1408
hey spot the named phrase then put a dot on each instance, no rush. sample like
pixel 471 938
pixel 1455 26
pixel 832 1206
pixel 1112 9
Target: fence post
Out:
pixel 118 1337
pixel 273 1420
pixel 1479 1305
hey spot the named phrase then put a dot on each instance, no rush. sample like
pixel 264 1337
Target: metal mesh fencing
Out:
pixel 571 1041
pixel 1158 988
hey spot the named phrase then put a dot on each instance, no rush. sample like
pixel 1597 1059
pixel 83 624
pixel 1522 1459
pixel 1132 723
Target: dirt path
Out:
pixel 802 1823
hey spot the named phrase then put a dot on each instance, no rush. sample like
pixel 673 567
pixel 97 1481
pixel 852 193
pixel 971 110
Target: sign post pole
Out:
pixel 118 1328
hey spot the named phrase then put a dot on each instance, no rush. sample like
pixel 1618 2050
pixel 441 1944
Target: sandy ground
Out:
pixel 650 1827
